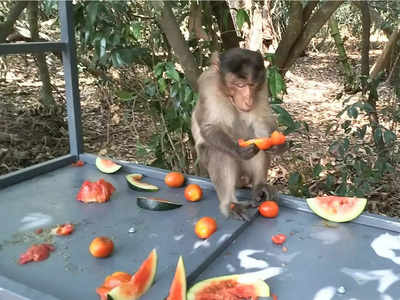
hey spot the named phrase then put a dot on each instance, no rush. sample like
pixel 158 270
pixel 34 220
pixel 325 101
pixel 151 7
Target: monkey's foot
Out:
pixel 239 212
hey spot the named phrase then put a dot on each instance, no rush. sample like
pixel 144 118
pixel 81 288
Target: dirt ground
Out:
pixel 30 134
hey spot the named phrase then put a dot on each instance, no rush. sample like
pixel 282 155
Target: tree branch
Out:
pixel 315 23
pixel 7 27
pixel 293 31
pixel 308 9
pixel 225 24
pixel 175 38
pixel 366 26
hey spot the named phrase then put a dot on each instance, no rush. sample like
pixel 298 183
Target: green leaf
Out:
pixel 368 107
pixel 389 137
pixel 341 189
pixel 159 69
pixel 378 135
pixel 92 10
pixel 352 112
pixel 173 74
pixel 125 95
pixel 136 29
pixel 330 182
pixel 276 83
pixel 317 170
pixel 241 18
pixel 141 150
pixel 102 50
pixel 162 84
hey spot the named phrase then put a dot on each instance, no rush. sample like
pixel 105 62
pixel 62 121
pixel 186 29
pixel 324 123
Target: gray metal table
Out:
pixel 319 258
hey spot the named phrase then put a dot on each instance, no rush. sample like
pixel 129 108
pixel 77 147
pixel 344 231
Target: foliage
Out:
pixel 109 35
pixel 172 99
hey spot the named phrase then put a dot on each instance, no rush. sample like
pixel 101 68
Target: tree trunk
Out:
pixel 317 20
pixel 256 30
pixel 225 23
pixel 46 96
pixel 366 27
pixel 308 9
pixel 377 19
pixel 348 72
pixel 175 38
pixel 383 60
pixel 293 31
pixel 7 27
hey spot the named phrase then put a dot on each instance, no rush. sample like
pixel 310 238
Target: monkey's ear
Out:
pixel 215 60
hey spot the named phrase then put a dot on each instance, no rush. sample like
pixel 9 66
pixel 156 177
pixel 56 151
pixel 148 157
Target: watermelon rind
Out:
pixel 156 204
pixel 325 213
pixel 135 183
pixel 178 285
pixel 262 289
pixel 134 289
pixel 106 169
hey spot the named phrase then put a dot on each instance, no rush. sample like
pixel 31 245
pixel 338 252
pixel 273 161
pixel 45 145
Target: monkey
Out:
pixel 233 103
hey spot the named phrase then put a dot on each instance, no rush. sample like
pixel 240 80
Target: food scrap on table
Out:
pixel 37 252
pixel 99 191
pixel 63 229
pixel 78 163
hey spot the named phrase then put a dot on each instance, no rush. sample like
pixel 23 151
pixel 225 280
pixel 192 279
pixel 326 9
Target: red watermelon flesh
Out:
pixel 177 290
pixel 231 287
pixel 337 208
pixel 139 284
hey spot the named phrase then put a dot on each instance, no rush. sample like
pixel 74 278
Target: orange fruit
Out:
pixel 277 138
pixel 115 279
pixel 261 143
pixel 101 246
pixel 205 227
pixel 193 192
pixel 174 179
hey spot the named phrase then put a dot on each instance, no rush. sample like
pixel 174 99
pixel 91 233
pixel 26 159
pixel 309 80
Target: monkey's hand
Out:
pixel 278 149
pixel 246 153
pixel 263 192
pixel 239 211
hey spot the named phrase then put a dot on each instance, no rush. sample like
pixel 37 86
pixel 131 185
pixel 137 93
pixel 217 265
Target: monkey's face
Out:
pixel 242 91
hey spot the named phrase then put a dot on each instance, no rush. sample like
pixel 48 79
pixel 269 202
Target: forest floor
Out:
pixel 30 134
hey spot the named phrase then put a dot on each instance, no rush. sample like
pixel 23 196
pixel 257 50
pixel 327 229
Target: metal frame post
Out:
pixel 71 77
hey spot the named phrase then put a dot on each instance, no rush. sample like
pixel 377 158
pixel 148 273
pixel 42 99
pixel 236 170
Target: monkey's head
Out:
pixel 242 74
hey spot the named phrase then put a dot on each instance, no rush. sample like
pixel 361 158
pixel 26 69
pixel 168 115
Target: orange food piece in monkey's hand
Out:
pixel 277 138
pixel 261 143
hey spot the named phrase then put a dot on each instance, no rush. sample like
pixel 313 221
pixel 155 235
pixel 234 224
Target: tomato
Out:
pixel 205 227
pixel 174 179
pixel 65 229
pixel 269 209
pixel 78 163
pixel 101 247
pixel 278 239
pixel 99 191
pixel 193 192
pixel 274 297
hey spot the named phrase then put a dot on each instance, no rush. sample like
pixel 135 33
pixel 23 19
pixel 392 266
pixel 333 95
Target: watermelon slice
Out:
pixel 139 284
pixel 177 290
pixel 336 208
pixel 106 165
pixel 233 287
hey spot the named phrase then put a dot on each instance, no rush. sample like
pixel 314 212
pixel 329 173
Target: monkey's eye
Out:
pixel 240 84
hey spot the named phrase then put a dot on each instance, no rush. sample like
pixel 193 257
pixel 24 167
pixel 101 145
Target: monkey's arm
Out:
pixel 216 137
